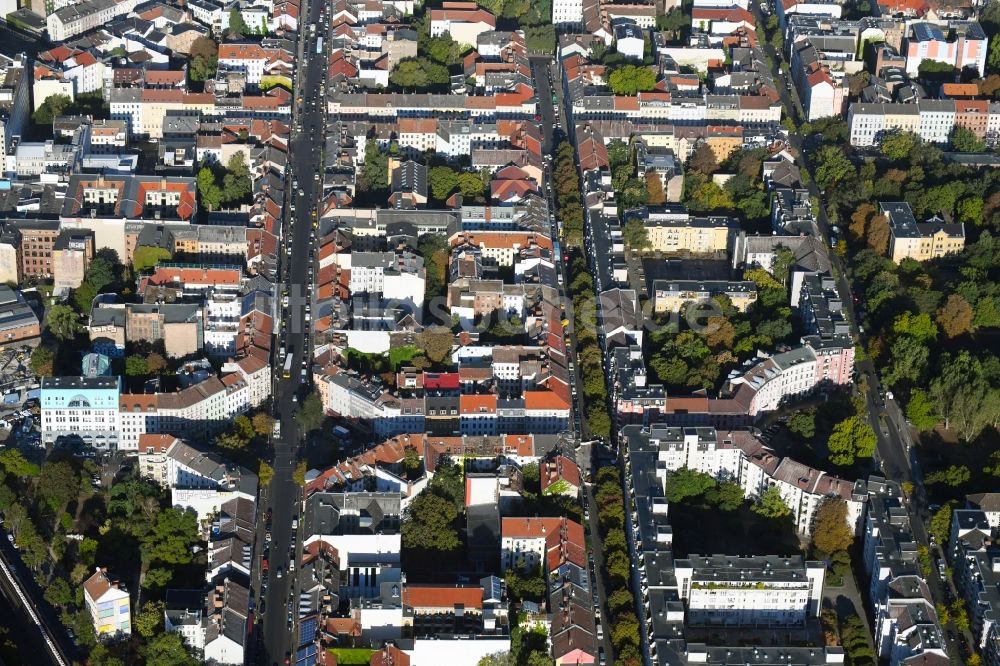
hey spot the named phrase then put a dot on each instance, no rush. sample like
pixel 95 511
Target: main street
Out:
pixel 283 496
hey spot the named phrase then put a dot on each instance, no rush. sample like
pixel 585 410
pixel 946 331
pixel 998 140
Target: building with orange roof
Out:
pixel 106 203
pixel 523 541
pixel 463 21
pixel 560 475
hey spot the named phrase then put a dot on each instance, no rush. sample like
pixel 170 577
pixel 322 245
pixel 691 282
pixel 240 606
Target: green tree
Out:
pixel 204 59
pixel 299 473
pixel 209 191
pixel 953 476
pixel 918 326
pixel 418 74
pixel 237 183
pixel 310 415
pixel 437 343
pixel 910 359
pixel 83 297
pixel 63 322
pixel 803 423
pixel 430 524
pixel 899 145
pixel 443 181
pixel 41 361
pixel 727 496
pixel 374 176
pixel 771 505
pixel 625 631
pixel 263 424
pixel 264 473
pixel 237 26
pixel 831 167
pixel 135 365
pixel 13 462
pixel 831 533
pixel 687 483
pixel 149 619
pixel 940 523
pixel 636 236
pixel 172 538
pixel 852 439
pixel 920 411
pixel 532 588
pixel 620 600
pixel 598 421
pixel 619 153
pixel 167 649
pixel 58 483
pixel 618 567
pixel 631 79
pixel 101 273
pixel 965 141
pixel 146 258
pixel 231 441
pixel 962 393
pixel 51 108
pixel 58 593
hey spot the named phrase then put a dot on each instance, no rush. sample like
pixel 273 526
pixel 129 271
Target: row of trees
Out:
pixel 589 358
pixel 566 182
pixel 624 624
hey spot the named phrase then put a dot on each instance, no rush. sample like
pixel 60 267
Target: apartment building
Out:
pixel 179 327
pixel 909 239
pixel 105 204
pixel 15 95
pixel 71 255
pixel 109 605
pixel 80 409
pixel 38 238
pixel 962 44
pixel 463 21
pixel 673 295
pixel 524 542
pixel 906 624
pixel 363 527
pixel 763 590
pixel 672 229
pixel 72 20
pixel 665 593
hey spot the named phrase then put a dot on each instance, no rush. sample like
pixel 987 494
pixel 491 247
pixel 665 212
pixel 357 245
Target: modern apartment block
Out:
pixel 109 605
pixel 763 590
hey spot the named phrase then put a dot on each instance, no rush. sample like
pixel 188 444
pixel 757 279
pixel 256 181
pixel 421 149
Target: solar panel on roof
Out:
pixel 306 655
pixel 307 631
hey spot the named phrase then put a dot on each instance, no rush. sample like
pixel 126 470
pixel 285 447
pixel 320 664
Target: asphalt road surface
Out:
pixel 283 497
